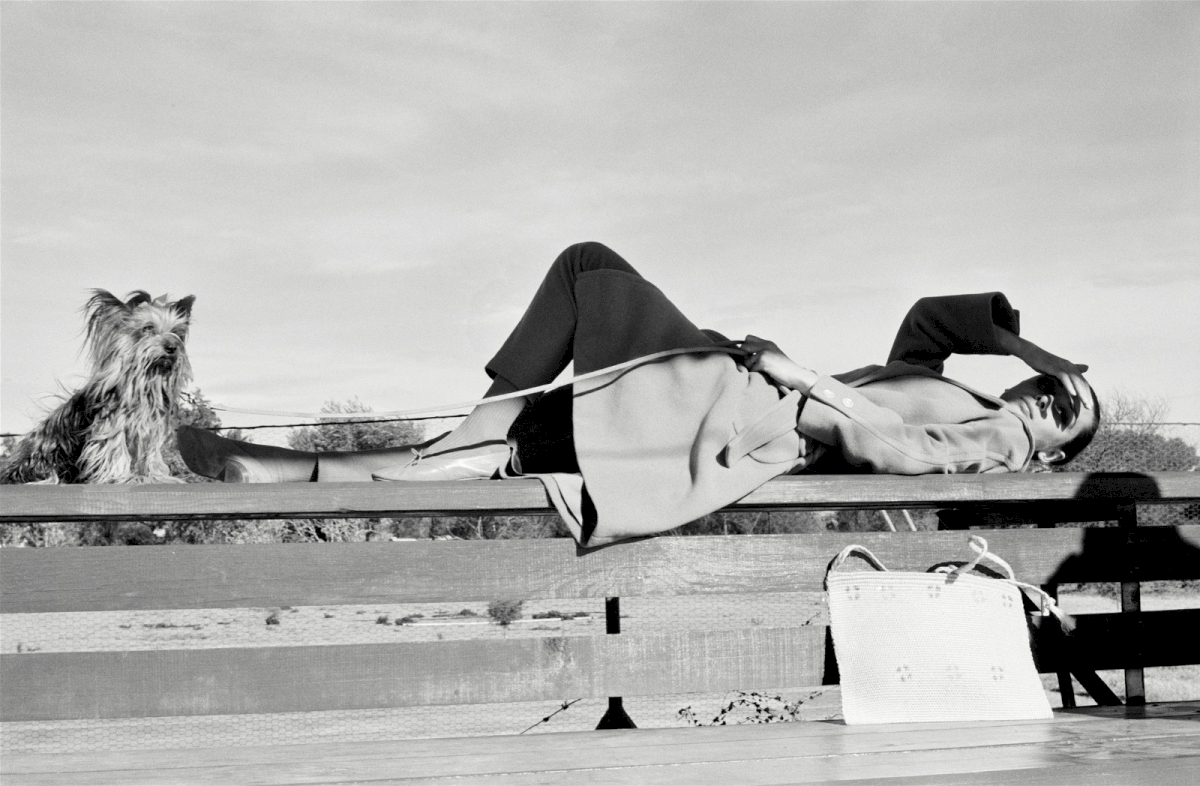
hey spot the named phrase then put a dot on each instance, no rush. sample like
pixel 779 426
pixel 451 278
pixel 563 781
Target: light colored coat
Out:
pixel 905 418
pixel 669 441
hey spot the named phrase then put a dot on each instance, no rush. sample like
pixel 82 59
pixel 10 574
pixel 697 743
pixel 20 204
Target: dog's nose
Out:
pixel 169 349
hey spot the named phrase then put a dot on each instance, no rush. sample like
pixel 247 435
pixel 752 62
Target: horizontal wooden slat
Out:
pixel 347 500
pixel 1121 640
pixel 220 681
pixel 935 491
pixel 810 749
pixel 816 738
pixel 49 686
pixel 264 575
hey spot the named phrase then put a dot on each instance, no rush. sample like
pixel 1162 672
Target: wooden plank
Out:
pixel 1184 710
pixel 50 686
pixel 1171 770
pixel 348 500
pixel 251 501
pixel 813 738
pixel 935 491
pixel 781 753
pixel 720 764
pixel 1181 771
pixel 265 575
pixel 1120 640
pixel 605 744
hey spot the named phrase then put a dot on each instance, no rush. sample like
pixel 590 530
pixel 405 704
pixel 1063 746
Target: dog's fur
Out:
pixel 114 428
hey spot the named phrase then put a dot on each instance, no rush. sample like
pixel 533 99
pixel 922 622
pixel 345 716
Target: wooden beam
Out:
pixel 936 491
pixel 1067 749
pixel 1141 639
pixel 615 747
pixel 253 575
pixel 295 574
pixel 359 500
pixel 223 681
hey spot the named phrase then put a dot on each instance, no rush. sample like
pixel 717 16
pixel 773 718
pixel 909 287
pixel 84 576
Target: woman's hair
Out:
pixel 1082 439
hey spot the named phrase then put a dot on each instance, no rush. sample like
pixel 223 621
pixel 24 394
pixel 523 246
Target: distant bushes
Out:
pixel 505 612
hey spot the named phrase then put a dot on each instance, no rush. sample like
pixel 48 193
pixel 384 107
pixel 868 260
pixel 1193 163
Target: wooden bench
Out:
pixel 53 687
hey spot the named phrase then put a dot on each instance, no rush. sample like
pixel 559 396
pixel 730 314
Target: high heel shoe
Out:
pixel 447 466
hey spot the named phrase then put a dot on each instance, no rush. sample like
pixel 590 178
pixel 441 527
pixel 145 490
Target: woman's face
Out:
pixel 1055 417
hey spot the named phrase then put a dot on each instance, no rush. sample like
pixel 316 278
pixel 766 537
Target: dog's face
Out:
pixel 147 334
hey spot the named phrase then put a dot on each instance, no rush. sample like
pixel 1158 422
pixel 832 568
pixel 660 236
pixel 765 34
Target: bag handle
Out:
pixel 1046 604
pixel 844 555
pixel 980 547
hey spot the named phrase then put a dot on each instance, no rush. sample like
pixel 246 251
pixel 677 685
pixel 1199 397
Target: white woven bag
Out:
pixel 941 646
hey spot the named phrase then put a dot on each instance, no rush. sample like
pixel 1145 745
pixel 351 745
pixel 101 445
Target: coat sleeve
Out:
pixel 937 327
pixel 876 438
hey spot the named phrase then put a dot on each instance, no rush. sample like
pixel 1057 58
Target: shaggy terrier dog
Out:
pixel 114 428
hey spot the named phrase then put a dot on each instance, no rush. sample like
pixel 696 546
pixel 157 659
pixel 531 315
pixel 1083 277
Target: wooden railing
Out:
pixel 235 680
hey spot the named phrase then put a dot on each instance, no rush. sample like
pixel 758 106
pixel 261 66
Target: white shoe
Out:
pixel 447 466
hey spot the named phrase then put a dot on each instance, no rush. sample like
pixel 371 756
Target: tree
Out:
pixel 1131 438
pixel 354 434
pixel 349 427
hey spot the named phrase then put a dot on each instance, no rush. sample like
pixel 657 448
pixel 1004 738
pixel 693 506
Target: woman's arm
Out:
pixel 937 327
pixel 871 436
pixel 1068 373
pixel 984 323
pixel 766 357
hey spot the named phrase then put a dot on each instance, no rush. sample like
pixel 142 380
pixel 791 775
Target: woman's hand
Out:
pixel 1068 373
pixel 767 358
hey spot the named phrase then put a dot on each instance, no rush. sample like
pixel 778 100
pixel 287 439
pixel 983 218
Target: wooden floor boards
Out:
pixel 1158 745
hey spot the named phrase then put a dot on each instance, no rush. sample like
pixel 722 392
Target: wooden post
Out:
pixel 1066 688
pixel 1131 603
pixel 615 717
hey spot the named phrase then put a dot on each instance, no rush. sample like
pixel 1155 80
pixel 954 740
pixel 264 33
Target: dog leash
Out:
pixel 728 347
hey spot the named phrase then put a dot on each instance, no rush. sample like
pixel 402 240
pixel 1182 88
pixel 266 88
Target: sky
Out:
pixel 363 197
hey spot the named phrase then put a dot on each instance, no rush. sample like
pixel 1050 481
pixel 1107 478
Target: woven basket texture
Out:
pixel 916 647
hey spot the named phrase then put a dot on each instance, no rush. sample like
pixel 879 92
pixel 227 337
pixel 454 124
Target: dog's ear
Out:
pixel 104 312
pixel 183 306
pixel 102 306
pixel 136 298
pixel 102 298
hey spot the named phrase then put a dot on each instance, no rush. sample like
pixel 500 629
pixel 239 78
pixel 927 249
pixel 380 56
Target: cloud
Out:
pixel 350 183
pixel 76 233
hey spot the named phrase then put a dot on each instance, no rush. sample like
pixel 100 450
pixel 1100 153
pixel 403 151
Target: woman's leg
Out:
pixel 535 353
pixel 537 350
pixel 213 456
pixel 539 347
pixel 235 461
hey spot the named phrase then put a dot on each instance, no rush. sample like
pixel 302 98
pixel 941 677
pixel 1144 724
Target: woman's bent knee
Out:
pixel 590 255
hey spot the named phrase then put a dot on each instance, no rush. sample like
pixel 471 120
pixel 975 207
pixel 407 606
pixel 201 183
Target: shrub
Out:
pixel 504 612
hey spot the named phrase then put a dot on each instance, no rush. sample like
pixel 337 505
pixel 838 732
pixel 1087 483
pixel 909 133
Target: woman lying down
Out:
pixel 647 448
